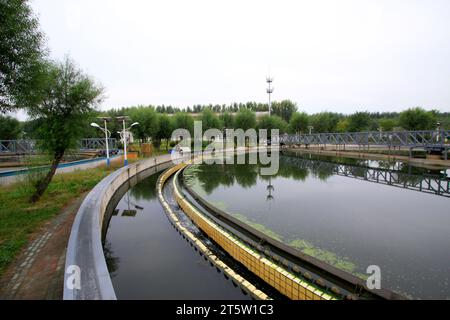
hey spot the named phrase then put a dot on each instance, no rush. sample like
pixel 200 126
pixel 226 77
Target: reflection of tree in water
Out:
pixel 298 167
pixel 288 170
pixel 246 174
pixel 111 262
pixel 145 189
pixel 209 176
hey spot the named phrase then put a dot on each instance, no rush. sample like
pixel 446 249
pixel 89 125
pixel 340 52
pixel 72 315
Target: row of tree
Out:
pixel 157 126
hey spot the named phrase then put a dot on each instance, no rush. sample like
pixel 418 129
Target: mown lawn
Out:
pixel 19 218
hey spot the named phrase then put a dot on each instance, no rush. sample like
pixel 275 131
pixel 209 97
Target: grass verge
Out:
pixel 19 218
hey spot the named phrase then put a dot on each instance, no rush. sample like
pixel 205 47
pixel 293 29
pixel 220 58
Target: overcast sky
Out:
pixel 376 55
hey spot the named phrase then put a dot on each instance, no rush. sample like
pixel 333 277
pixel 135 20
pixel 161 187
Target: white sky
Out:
pixel 342 55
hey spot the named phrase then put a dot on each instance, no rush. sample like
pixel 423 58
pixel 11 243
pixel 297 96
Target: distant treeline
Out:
pixel 156 123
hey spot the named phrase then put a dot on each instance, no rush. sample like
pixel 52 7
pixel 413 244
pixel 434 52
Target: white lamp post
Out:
pixel 124 135
pixel 107 136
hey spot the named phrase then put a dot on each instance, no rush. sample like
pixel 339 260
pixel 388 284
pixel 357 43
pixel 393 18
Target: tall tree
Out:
pixel 387 124
pixel 165 128
pixel 325 121
pixel 342 125
pixel 21 55
pixel 245 119
pixel 148 122
pixel 184 120
pixel 272 122
pixel 284 109
pixel 359 121
pixel 417 119
pixel 10 128
pixel 210 120
pixel 227 120
pixel 68 97
pixel 299 122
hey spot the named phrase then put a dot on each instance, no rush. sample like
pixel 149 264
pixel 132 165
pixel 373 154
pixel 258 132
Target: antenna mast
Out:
pixel 270 89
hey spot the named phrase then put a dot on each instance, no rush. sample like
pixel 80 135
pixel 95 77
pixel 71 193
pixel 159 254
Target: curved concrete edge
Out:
pixel 286 283
pixel 208 255
pixel 86 273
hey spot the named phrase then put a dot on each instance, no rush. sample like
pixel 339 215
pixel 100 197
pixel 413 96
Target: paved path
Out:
pixel 63 168
pixel 38 272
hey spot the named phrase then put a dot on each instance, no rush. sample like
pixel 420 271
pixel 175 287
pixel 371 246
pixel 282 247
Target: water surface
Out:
pixel 343 211
pixel 148 259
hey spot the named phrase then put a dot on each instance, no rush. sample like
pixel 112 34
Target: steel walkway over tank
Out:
pixel 430 140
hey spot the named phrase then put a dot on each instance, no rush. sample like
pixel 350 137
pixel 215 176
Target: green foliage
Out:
pixel 227 120
pixel 299 122
pixel 417 119
pixel 359 121
pixel 184 120
pixel 387 124
pixel 21 55
pixel 10 128
pixel 165 128
pixel 148 122
pixel 245 119
pixel 284 109
pixel 342 125
pixel 272 122
pixel 210 120
pixel 325 121
pixel 68 98
pixel 444 119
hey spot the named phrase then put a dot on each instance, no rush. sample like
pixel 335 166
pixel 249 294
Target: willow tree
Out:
pixel 22 51
pixel 67 99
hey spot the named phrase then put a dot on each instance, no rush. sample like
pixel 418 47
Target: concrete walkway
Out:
pixel 38 271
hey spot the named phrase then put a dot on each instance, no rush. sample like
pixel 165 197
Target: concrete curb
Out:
pixel 199 245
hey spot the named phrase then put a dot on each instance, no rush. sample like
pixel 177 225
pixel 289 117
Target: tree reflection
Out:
pixel 112 262
pixel 299 166
pixel 145 189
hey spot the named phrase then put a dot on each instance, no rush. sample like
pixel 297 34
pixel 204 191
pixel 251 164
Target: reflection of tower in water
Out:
pixel 270 188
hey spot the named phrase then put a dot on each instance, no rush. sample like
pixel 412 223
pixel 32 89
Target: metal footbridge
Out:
pixel 31 146
pixel 429 140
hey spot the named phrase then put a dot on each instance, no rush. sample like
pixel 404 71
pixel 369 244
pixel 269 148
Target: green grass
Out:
pixel 19 218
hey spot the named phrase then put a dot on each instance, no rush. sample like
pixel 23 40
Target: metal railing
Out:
pixel 17 146
pixel 424 138
pixel 30 146
pixel 96 144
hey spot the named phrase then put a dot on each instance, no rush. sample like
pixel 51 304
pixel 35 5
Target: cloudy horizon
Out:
pixel 340 56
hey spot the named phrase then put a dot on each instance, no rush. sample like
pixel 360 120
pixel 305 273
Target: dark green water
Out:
pixel 148 259
pixel 349 213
